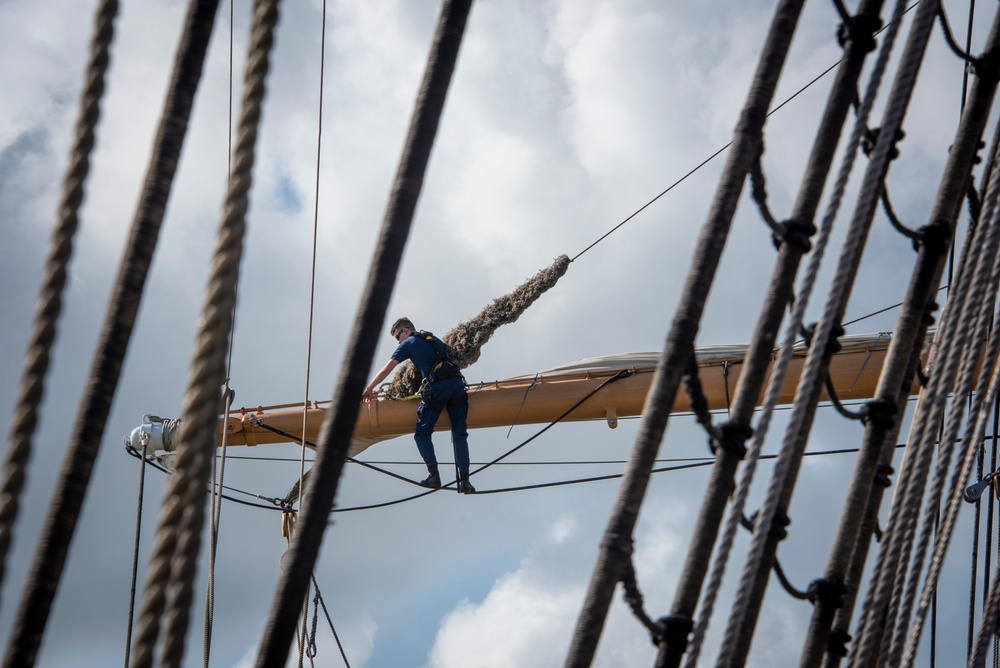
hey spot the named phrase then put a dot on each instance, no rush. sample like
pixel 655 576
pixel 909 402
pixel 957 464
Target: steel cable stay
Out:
pixel 680 464
pixel 719 151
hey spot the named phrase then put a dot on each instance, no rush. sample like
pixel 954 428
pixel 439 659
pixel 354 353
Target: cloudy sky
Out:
pixel 564 117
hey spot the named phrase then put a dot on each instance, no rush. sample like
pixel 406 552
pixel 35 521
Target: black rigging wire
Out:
pixel 716 154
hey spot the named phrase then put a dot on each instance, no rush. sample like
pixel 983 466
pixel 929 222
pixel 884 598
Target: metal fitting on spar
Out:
pixel 158 435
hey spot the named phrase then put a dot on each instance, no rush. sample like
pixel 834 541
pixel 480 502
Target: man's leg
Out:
pixel 427 416
pixel 458 411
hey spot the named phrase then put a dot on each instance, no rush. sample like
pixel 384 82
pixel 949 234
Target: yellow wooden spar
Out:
pixel 544 397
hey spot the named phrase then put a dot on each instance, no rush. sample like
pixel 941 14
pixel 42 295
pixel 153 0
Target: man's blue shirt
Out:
pixel 418 350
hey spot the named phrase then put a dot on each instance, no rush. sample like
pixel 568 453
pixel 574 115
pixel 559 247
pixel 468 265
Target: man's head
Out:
pixel 401 327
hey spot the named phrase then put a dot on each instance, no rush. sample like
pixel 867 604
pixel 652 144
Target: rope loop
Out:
pixel 881 412
pixel 634 599
pixel 699 403
pixel 974 62
pixel 831 392
pixel 735 433
pixel 894 220
pixel 758 189
pixel 828 590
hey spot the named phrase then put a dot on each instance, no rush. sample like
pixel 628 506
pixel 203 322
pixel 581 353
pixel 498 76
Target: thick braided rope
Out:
pixel 977 305
pixel 930 412
pixel 913 546
pixel 466 340
pixel 986 634
pixel 889 591
pixel 49 307
pixel 872 618
pixel 334 440
pixel 172 566
pixel 607 571
pixel 781 365
pixel 975 429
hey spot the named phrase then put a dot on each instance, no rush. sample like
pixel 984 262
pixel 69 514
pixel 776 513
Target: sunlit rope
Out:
pixel 781 366
pixel 887 589
pixel 982 293
pixel 173 562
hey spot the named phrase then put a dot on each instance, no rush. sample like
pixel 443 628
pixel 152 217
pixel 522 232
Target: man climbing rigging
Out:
pixel 443 387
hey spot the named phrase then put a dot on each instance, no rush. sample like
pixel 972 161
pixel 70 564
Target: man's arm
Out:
pixel 379 377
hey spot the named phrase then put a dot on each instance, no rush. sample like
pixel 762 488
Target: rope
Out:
pixel 758 189
pixel 989 526
pixel 336 433
pixel 807 393
pixel 795 242
pixel 944 211
pixel 982 295
pixel 950 39
pixel 974 560
pixel 31 389
pixel 106 367
pixel 634 599
pixel 784 357
pixel 173 562
pixel 466 340
pixel 928 416
pixel 326 613
pixel 665 384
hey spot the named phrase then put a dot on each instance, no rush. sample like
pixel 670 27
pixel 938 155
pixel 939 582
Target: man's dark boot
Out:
pixel 464 486
pixel 434 479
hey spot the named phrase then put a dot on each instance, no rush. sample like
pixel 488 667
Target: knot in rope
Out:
pixel 778 524
pixel 833 345
pixel 882 473
pixel 735 433
pixel 827 590
pixel 881 412
pixel 870 139
pixel 935 237
pixel 618 542
pixel 675 629
pixel 837 644
pixel 795 232
pixel 859 30
pixel 932 307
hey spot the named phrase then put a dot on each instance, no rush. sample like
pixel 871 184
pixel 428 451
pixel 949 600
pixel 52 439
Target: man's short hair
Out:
pixel 399 324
